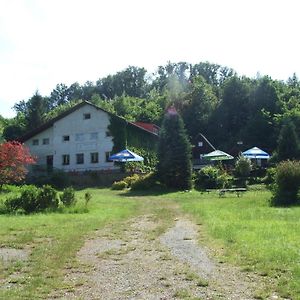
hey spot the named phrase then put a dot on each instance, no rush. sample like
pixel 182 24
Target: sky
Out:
pixel 46 42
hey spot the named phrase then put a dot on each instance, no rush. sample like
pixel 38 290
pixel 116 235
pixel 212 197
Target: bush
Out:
pixel 68 197
pixel 211 177
pixel 269 179
pixel 145 182
pixel 131 179
pixel 11 205
pixel 29 199
pixel 243 166
pixel 119 185
pixel 287 184
pixel 47 198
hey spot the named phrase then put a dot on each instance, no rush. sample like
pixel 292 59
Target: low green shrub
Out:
pixel 87 198
pixel 11 205
pixel 287 184
pixel 211 177
pixel 131 179
pixel 269 179
pixel 47 198
pixel 119 185
pixel 243 166
pixel 145 182
pixel 29 199
pixel 68 196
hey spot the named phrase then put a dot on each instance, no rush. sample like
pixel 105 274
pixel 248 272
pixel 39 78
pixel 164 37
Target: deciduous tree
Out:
pixel 14 157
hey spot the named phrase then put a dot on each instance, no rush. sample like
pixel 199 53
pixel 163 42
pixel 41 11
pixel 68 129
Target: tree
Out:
pixel 174 153
pixel 199 104
pixel 37 107
pixel 14 157
pixel 60 95
pixel 288 142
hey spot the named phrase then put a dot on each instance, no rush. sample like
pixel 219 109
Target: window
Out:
pixel 46 141
pixel 94 158
pixel 79 158
pixel 35 142
pixel 107 155
pixel 66 138
pixel 86 116
pixel 93 135
pixel 79 137
pixel 66 159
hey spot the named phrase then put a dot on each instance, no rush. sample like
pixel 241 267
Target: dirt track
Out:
pixel 130 262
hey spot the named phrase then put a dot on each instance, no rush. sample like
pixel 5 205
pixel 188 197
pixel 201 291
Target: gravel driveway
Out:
pixel 129 262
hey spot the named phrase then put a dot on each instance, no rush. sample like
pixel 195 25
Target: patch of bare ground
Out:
pixel 12 264
pixel 131 262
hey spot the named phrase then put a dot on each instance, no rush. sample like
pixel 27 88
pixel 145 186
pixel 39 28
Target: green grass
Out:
pixel 244 231
pixel 54 239
pixel 252 234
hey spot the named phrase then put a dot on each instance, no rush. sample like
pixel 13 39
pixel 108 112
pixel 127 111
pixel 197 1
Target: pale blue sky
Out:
pixel 45 42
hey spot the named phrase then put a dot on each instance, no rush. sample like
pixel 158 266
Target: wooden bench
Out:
pixel 238 191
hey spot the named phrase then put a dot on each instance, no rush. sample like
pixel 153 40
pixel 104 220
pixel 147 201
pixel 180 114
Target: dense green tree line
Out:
pixel 212 99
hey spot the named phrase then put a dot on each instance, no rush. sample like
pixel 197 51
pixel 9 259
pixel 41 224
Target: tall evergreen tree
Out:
pixel 174 153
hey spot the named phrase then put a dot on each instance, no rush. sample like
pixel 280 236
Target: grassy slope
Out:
pixel 54 239
pixel 252 234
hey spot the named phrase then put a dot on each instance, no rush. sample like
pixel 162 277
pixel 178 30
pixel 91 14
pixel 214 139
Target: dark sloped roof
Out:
pixel 50 123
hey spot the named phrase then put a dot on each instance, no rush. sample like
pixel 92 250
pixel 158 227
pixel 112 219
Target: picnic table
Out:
pixel 222 192
pixel 238 191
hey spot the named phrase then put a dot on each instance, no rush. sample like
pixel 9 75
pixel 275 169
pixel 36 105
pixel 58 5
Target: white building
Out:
pixel 76 140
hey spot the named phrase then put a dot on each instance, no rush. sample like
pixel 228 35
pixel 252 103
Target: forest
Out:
pixel 213 100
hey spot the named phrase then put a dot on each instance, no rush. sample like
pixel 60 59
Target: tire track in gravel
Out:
pixel 132 263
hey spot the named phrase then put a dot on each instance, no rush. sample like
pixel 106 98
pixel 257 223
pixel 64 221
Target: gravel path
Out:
pixel 132 263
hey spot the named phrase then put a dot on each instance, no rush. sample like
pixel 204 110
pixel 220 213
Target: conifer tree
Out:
pixel 174 153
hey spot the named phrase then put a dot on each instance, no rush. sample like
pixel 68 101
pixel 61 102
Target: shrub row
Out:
pixel 34 199
pixel 136 182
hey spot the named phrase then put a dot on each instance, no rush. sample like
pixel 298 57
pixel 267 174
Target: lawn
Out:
pixel 53 240
pixel 249 233
pixel 242 230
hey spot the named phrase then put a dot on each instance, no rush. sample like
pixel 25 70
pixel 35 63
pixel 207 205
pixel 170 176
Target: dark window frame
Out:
pixel 46 141
pixel 80 158
pixel 66 159
pixel 35 142
pixel 87 116
pixel 107 155
pixel 66 138
pixel 94 157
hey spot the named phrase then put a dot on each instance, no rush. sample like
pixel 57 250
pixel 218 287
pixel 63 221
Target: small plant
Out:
pixel 87 198
pixel 68 197
pixel 119 185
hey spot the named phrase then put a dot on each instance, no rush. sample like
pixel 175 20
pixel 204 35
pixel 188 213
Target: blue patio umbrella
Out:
pixel 256 153
pixel 125 155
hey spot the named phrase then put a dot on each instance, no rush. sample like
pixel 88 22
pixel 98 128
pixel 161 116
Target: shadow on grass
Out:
pixel 157 191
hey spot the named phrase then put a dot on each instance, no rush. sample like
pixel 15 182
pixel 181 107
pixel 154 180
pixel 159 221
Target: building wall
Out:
pixel 73 135
pixel 39 149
